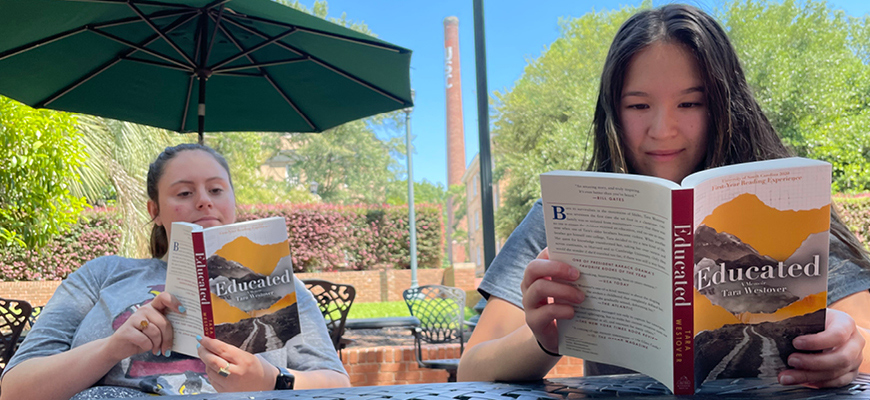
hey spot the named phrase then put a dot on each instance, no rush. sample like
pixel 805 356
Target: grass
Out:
pixel 388 309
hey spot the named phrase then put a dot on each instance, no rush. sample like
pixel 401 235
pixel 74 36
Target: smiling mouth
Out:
pixel 664 153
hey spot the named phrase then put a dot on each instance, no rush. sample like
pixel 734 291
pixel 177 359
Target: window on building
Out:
pixel 476 184
pixel 477 220
pixel 290 177
pixel 479 260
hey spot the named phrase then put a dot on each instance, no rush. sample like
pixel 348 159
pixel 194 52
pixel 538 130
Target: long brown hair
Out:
pixel 738 132
pixel 159 241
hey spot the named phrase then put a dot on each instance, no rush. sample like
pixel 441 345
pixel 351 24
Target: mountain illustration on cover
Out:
pixel 253 295
pixel 760 281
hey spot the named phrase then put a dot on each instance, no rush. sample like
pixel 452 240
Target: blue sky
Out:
pixel 516 31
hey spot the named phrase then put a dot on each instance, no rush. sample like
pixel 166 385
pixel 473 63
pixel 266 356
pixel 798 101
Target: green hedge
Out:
pixel 322 238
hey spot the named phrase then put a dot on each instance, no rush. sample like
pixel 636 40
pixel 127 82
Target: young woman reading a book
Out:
pixel 104 333
pixel 673 100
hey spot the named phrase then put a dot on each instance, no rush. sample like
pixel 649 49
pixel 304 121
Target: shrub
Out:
pixel 96 234
pixel 323 237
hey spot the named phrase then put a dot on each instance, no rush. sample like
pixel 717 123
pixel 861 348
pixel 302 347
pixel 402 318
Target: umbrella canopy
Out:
pixel 253 65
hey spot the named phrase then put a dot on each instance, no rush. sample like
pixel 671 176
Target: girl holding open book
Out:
pixel 104 333
pixel 673 100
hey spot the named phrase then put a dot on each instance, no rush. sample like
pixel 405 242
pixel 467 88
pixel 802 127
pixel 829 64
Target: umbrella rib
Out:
pixel 159 64
pixel 78 83
pixel 268 78
pixel 143 2
pixel 214 33
pixel 252 49
pixel 130 20
pixel 258 65
pixel 33 45
pixel 63 92
pixel 159 32
pixel 325 65
pixel 187 102
pixel 352 77
pixel 143 49
pixel 244 74
pixel 64 35
pixel 371 43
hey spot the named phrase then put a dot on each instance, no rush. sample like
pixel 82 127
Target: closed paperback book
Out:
pixel 236 282
pixel 708 279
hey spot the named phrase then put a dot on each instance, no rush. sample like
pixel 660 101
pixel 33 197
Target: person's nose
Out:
pixel 664 124
pixel 204 200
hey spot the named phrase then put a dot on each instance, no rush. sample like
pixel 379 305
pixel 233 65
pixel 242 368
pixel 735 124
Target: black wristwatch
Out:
pixel 285 379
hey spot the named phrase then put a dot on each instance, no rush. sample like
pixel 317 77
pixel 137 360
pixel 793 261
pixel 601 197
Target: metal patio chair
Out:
pixel 441 311
pixel 334 300
pixel 13 316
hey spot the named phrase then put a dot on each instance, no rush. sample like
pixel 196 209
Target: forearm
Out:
pixel 60 376
pixel 320 379
pixel 865 364
pixel 514 357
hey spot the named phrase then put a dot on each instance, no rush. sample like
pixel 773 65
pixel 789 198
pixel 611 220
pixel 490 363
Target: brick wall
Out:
pixel 36 293
pixel 371 286
pixel 396 365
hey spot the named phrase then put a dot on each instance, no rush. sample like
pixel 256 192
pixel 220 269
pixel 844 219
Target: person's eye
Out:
pixel 639 106
pixel 217 190
pixel 184 193
pixel 690 104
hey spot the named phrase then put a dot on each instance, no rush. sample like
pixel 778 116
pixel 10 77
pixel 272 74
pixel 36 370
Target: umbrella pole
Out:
pixel 200 110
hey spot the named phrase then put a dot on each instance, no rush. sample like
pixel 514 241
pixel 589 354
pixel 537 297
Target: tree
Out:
pixel 117 156
pixel 348 162
pixel 40 153
pixel 543 122
pixel 811 77
pixel 245 153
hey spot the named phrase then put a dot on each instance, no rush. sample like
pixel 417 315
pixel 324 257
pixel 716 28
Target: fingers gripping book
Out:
pixel 709 279
pixel 237 284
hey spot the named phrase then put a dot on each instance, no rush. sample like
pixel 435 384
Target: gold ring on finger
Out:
pixel 225 370
pixel 143 325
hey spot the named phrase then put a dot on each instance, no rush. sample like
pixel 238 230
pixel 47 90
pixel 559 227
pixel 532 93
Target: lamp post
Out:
pixel 412 219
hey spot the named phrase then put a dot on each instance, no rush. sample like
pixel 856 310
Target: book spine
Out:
pixel 682 213
pixel 202 284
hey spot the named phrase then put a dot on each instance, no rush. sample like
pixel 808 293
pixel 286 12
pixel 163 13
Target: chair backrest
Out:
pixel 13 316
pixel 334 300
pixel 34 314
pixel 441 311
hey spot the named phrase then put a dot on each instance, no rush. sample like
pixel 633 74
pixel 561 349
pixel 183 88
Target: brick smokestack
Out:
pixel 455 131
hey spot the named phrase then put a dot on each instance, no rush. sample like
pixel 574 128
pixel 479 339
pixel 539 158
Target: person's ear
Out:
pixel 154 211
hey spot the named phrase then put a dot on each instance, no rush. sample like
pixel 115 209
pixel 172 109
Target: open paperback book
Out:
pixel 709 279
pixel 237 284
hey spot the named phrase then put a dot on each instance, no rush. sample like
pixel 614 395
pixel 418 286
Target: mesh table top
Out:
pixel 621 386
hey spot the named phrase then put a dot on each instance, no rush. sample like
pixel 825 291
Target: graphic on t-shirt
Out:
pixel 177 374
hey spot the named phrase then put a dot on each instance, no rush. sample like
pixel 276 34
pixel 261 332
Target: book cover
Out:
pixel 240 281
pixel 710 279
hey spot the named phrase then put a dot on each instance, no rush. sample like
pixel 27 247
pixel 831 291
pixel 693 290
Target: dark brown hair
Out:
pixel 738 132
pixel 159 242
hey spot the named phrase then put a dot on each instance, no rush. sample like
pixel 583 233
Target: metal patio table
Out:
pixel 595 387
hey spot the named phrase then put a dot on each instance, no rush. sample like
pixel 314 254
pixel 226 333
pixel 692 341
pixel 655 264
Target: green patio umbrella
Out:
pixel 253 65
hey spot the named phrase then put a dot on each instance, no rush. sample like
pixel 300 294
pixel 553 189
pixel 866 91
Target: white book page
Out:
pixel 616 231
pixel 181 282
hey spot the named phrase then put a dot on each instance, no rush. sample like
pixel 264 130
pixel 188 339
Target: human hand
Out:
pixel 549 294
pixel 147 329
pixel 841 354
pixel 231 369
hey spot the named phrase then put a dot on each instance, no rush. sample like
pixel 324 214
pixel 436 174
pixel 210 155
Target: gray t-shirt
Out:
pixel 96 299
pixel 505 274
